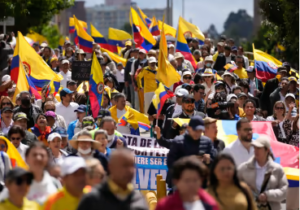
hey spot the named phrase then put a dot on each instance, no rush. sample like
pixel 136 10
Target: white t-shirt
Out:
pixel 120 75
pixel 22 149
pixel 282 97
pixel 122 129
pixel 67 112
pixel 212 88
pixel 260 175
pixel 196 205
pixel 271 118
pixel 66 77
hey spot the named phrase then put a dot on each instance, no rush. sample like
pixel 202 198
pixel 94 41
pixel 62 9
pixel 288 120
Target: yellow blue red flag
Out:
pixel 169 30
pixel 117 39
pixel 161 95
pixel 115 57
pixel 96 86
pixel 99 38
pixel 154 29
pixel 72 25
pixel 190 30
pixel 37 37
pixel 85 41
pixel 147 20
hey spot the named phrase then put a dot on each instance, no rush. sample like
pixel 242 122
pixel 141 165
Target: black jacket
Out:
pixel 219 145
pixel 31 113
pixel 270 86
pixel 275 96
pixel 184 145
pixel 127 70
pixel 221 62
pixel 101 197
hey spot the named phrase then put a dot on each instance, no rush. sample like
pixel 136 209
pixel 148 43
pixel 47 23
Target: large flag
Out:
pixel 85 41
pixel 99 38
pixel 35 67
pixel 182 46
pixel 190 30
pixel 96 86
pixel 135 119
pixel 161 95
pixel 117 38
pixel 61 43
pixel 142 36
pixel 154 29
pixel 72 25
pixel 286 155
pixel 169 30
pixel 147 20
pixel 166 73
pixel 115 57
pixel 50 89
pixel 37 37
pixel 14 155
pixel 265 65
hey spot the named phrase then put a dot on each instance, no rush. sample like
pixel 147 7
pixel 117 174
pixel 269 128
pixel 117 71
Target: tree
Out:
pixel 127 28
pixel 32 13
pixel 282 18
pixel 238 26
pixel 50 32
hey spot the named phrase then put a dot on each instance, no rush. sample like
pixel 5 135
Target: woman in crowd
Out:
pixel 249 109
pixel 6 102
pixel 106 101
pixel 57 155
pixel 41 129
pixel 294 139
pixel 101 137
pixel 282 126
pixel 266 178
pixel 229 79
pixel 187 174
pixel 16 134
pixel 225 186
pixel 186 78
pixel 108 81
pixel 208 81
pixel 109 63
pixel 87 147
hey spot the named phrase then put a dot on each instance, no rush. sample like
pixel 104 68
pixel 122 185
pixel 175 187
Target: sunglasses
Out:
pixel 20 180
pixel 187 77
pixel 15 139
pixel 6 103
pixel 189 102
pixel 279 108
pixel 53 110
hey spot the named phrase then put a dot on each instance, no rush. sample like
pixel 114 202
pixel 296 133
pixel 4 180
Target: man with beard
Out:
pixel 211 131
pixel 241 149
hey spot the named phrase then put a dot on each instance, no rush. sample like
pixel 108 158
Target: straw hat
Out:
pixel 178 55
pixel 208 73
pixel 74 143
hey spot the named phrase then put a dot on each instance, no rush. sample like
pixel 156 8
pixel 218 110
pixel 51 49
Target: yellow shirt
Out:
pixel 242 73
pixel 61 200
pixel 27 205
pixel 150 84
pixel 241 112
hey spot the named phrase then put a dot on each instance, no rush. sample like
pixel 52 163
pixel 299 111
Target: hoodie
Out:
pixel 110 63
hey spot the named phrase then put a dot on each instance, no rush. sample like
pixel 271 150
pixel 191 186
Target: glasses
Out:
pixel 20 180
pixel 6 103
pixel 15 139
pixel 188 102
pixel 279 108
pixel 187 77
pixel 47 110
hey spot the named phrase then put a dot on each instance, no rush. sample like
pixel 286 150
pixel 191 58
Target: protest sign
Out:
pixel 81 70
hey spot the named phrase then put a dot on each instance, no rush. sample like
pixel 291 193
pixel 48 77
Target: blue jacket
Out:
pixel 184 145
pixel 71 129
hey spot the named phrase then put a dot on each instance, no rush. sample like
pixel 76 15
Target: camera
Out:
pixel 219 103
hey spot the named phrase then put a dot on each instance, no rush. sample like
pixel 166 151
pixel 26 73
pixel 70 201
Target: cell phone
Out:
pixel 201 153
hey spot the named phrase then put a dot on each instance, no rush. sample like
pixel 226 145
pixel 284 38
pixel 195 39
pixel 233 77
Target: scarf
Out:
pixel 43 134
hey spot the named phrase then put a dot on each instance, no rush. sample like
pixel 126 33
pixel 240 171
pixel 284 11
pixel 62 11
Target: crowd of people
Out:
pixel 69 153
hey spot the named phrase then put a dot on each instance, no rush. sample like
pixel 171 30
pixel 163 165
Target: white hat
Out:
pixel 152 60
pixel 71 165
pixel 142 51
pixel 290 95
pixel 186 73
pixel 230 96
pixel 171 45
pixel 178 55
pixel 262 141
pixel 171 57
pixel 52 136
pixel 65 61
pixel 182 92
pixel 44 45
pixel 209 58
pixel 208 73
pixel 227 73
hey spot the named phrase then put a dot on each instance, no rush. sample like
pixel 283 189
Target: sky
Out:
pixel 203 13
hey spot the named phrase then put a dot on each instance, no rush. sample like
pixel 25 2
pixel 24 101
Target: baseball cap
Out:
pixel 209 120
pixel 171 46
pixel 128 43
pixel 69 82
pixel 88 121
pixel 103 113
pixel 142 51
pixel 250 69
pixel 186 73
pixel 234 48
pixel 43 45
pixel 209 58
pixel 218 83
pixel 152 60
pixel 290 95
pixel 5 109
pixel 81 108
pixel 230 96
pixel 65 91
pixel 65 61
pixel 262 141
pixel 292 79
pixel 52 136
pixel 241 95
pixel 61 131
pixel 71 165
pixel 67 42
pixel 182 92
pixel 196 123
pixel 188 99
pixel 50 114
pixel 221 44
pixel 20 116
pixel 18 172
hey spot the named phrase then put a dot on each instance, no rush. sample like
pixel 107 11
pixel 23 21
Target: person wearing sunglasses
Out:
pixel 185 78
pixel 17 182
pixel 6 119
pixel 16 134
pixel 6 102
pixel 282 125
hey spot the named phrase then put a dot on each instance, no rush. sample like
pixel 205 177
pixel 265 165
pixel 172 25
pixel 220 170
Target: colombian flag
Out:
pixel 146 19
pixel 135 119
pixel 286 155
pixel 154 27
pixel 72 25
pixel 115 57
pixel 142 36
pixel 169 30
pixel 265 65
pixel 99 38
pixel 117 38
pixel 182 46
pixel 190 30
pixel 38 73
pixel 161 96
pixel 85 41
pixel 96 86
pixel 50 89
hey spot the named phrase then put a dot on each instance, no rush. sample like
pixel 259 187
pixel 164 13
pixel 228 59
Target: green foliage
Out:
pixel 127 28
pixel 238 26
pixel 32 13
pixel 282 19
pixel 50 32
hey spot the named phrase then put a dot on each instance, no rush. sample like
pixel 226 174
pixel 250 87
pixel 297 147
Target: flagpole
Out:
pixel 87 103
